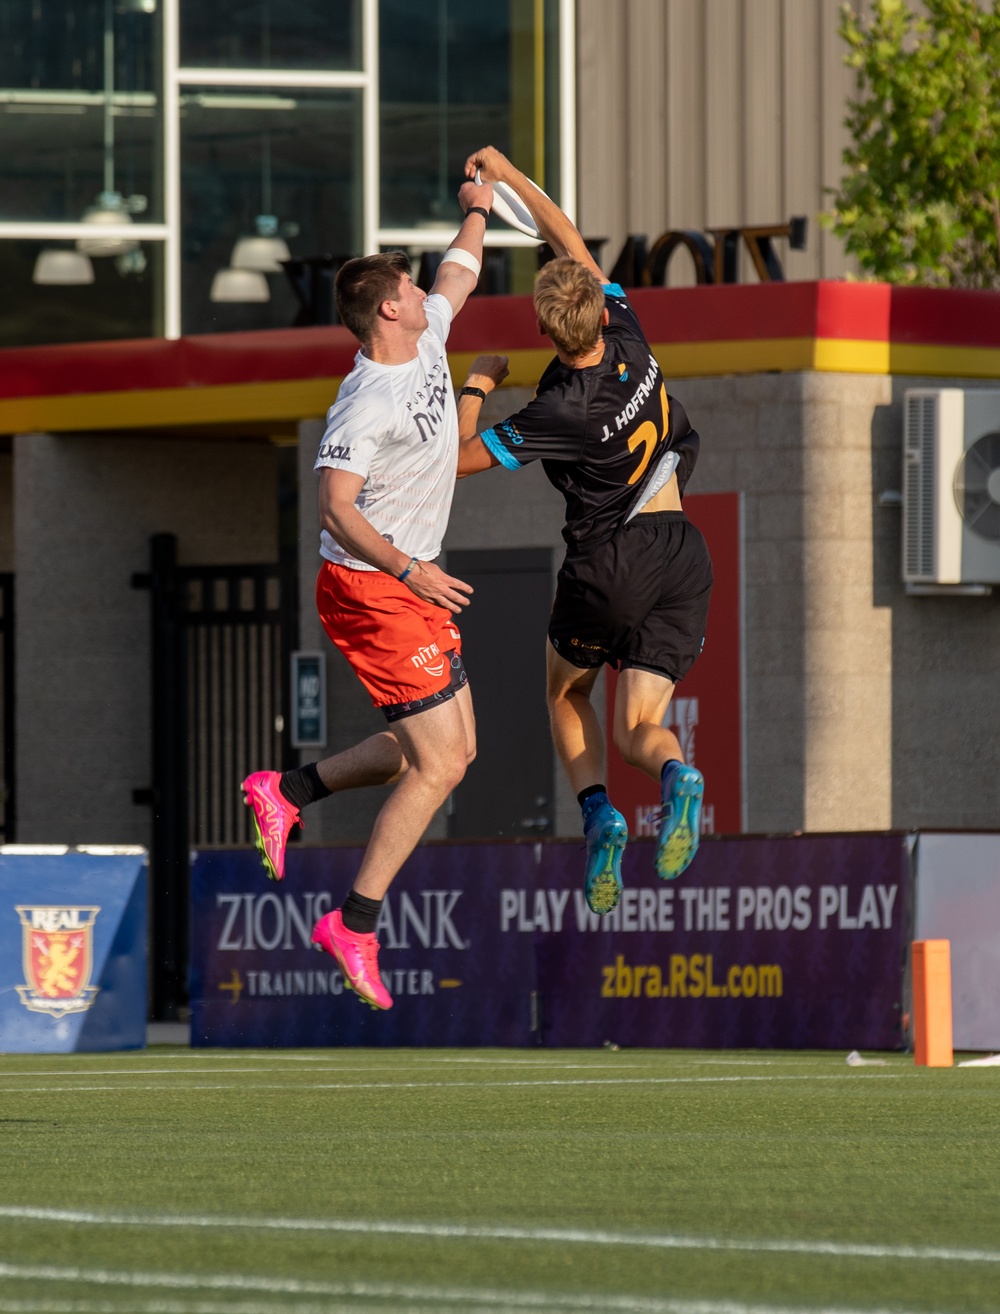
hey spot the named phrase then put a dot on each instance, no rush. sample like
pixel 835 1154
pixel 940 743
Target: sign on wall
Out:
pixel 706 711
pixel 72 949
pixel 784 943
pixel 308 699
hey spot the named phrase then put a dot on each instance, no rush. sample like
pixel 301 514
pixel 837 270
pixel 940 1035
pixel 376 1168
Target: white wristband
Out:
pixel 461 257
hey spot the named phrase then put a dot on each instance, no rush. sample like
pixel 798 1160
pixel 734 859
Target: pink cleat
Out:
pixel 357 956
pixel 273 818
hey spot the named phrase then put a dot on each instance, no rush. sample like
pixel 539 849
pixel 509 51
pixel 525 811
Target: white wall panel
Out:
pixel 743 101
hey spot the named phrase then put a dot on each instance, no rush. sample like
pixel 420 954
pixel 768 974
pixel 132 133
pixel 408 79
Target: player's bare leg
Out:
pixel 377 760
pixel 579 741
pixel 576 727
pixel 275 799
pixel 641 703
pixel 437 744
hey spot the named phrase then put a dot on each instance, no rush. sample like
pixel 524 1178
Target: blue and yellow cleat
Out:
pixel 680 820
pixel 606 834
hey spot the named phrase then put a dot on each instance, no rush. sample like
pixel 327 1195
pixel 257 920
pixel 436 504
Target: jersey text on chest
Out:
pixel 427 406
pixel 644 390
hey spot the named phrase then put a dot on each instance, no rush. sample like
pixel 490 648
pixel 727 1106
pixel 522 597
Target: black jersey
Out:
pixel 607 435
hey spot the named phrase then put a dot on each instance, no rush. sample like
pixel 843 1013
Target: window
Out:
pixel 291 155
pixel 140 140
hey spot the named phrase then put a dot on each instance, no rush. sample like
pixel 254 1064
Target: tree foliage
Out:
pixel 920 202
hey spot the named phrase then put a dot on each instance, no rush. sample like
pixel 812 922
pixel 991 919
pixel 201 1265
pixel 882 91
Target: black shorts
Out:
pixel 641 599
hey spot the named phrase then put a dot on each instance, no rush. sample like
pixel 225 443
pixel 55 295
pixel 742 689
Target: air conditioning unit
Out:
pixel 951 489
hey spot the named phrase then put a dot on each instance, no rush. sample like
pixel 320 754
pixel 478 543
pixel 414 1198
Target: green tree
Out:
pixel 921 200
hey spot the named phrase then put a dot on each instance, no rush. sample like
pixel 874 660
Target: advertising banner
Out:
pixel 795 942
pixel 256 979
pixel 958 899
pixel 706 711
pixel 72 949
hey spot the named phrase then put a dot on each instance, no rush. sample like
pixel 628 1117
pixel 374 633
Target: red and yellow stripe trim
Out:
pixel 284 375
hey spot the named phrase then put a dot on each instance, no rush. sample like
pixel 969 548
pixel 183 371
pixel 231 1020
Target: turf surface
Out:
pixel 238 1182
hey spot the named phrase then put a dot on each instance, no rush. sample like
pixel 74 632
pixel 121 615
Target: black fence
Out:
pixel 222 638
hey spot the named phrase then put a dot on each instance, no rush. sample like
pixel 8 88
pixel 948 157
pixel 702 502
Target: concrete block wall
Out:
pixel 85 510
pixel 945 747
pixel 818 645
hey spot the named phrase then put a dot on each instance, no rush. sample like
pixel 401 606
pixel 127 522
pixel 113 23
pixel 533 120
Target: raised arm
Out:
pixel 457 277
pixel 485 374
pixel 557 228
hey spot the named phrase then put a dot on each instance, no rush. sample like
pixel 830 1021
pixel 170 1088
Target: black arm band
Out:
pixel 473 392
pixel 479 209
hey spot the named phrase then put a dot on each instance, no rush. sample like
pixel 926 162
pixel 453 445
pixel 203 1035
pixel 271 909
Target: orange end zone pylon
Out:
pixel 932 1003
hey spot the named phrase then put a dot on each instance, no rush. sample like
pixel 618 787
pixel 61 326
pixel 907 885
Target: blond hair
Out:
pixel 569 303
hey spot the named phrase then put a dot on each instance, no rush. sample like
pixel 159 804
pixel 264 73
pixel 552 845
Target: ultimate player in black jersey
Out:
pixel 634 588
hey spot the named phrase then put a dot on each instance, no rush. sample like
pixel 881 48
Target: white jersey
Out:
pixel 397 425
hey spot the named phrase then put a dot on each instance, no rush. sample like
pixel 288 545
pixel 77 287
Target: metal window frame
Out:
pixel 365 80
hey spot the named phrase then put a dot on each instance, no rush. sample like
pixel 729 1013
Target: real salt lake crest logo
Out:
pixel 57 952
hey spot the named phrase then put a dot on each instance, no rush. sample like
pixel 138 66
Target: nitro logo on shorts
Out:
pixel 423 658
pixel 57 953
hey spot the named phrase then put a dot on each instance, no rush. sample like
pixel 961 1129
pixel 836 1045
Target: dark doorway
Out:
pixel 509 788
pixel 7 708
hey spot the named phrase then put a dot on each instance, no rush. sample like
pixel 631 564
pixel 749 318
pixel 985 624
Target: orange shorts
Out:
pixel 397 644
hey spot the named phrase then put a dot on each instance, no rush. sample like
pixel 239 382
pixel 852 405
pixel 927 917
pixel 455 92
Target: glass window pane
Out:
pixel 79 109
pixel 454 75
pixel 261 160
pixel 308 34
pixel 123 301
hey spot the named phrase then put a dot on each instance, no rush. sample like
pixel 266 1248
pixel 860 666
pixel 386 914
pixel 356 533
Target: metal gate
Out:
pixel 7 794
pixel 222 639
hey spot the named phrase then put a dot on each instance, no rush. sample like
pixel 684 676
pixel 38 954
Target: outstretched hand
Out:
pixel 487 369
pixel 488 162
pixel 431 584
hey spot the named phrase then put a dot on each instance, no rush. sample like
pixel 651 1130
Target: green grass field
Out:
pixel 236 1182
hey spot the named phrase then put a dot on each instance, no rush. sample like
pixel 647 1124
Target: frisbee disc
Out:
pixel 512 210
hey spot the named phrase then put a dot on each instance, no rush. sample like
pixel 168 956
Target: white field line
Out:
pixel 471 1300
pixel 329 1066
pixel 306 1087
pixel 472 1232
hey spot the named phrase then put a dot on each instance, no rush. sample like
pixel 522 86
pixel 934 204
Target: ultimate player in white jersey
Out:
pixel 387 476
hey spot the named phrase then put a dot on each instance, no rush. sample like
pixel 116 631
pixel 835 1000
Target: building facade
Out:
pixel 861 706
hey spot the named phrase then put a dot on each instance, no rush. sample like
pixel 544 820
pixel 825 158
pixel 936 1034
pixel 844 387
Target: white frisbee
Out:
pixel 511 209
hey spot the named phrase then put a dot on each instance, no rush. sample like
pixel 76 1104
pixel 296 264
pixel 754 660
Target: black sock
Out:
pixel 360 914
pixel 589 792
pixel 302 785
pixel 670 762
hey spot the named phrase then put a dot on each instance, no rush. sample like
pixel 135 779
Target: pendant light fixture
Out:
pixel 111 207
pixel 239 285
pixel 56 267
pixel 253 257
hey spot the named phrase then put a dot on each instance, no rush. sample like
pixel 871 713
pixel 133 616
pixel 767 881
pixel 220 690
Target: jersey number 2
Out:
pixel 647 437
